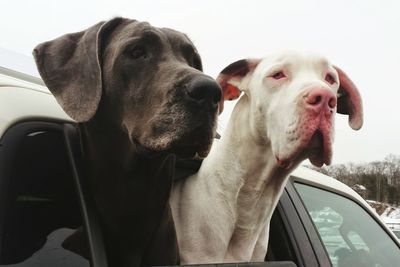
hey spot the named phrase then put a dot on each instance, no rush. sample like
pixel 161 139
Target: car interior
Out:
pixel 39 200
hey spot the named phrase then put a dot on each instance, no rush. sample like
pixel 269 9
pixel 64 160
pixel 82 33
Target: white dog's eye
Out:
pixel 330 79
pixel 278 75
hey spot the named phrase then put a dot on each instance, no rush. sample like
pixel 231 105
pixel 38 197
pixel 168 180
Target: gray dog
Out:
pixel 140 98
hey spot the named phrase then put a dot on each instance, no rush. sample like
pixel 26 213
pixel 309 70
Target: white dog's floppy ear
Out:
pixel 349 100
pixel 230 78
pixel 70 66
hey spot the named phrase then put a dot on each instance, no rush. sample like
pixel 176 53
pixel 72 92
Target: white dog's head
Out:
pixel 293 99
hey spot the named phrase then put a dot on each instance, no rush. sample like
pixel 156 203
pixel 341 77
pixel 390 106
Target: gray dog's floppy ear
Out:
pixel 231 76
pixel 70 66
pixel 349 100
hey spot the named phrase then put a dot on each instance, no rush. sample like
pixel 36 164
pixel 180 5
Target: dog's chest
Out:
pixel 253 207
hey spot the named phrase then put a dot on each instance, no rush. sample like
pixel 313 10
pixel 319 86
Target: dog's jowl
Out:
pixel 140 99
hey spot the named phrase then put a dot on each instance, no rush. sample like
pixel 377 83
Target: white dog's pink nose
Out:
pixel 320 98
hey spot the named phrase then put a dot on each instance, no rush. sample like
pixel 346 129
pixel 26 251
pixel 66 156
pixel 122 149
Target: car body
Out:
pixel 319 221
pixel 393 224
pixel 397 233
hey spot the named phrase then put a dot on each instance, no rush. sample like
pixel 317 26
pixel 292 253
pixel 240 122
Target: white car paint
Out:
pixel 23 97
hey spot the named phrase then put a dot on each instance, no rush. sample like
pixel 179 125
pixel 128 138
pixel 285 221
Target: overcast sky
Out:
pixel 361 37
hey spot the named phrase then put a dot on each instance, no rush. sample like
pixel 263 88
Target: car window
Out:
pixel 351 236
pixel 40 208
pixel 280 247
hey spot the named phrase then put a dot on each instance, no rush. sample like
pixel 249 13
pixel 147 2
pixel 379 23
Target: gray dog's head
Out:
pixel 144 80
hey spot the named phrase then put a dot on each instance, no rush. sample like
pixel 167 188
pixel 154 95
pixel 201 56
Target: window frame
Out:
pixel 318 248
pixel 91 224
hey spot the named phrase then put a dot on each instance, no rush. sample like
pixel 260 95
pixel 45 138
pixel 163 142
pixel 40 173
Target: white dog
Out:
pixel 285 115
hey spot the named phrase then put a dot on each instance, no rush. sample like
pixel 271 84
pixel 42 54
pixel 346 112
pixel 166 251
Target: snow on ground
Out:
pixel 389 214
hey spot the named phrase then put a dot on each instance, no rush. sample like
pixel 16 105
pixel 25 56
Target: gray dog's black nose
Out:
pixel 204 89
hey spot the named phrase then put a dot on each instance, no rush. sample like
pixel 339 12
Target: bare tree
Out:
pixel 378 180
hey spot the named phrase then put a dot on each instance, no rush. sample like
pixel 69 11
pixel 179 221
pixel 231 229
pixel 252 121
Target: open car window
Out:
pixel 39 207
pixel 350 235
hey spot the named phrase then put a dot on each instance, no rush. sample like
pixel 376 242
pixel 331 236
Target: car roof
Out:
pixel 18 62
pixel 10 77
pixel 25 97
pixel 314 178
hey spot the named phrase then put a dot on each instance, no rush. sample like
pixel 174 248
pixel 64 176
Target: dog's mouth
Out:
pixel 192 151
pixel 196 144
pixel 317 148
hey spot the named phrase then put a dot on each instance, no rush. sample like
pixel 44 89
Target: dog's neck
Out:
pixel 118 175
pixel 107 148
pixel 111 156
pixel 249 166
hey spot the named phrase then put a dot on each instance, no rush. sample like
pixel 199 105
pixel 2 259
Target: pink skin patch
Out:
pixel 238 69
pixel 312 135
pixel 285 164
pixel 229 91
pixel 314 142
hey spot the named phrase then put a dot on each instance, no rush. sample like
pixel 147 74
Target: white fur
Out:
pixel 222 213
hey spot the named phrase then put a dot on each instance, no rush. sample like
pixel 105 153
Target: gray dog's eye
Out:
pixel 138 52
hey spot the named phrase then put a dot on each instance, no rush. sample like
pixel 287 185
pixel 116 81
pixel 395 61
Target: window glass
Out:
pixel 41 208
pixel 280 247
pixel 351 236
